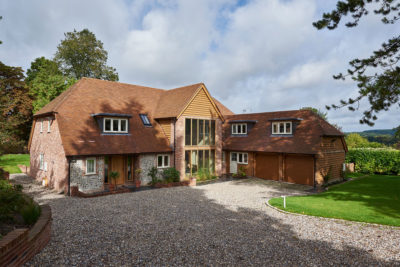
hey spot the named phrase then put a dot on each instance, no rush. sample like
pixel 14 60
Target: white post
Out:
pixel 284 202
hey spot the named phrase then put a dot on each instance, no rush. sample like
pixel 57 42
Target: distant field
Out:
pixel 10 162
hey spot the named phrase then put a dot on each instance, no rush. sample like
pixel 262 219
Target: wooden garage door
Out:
pixel 299 169
pixel 267 166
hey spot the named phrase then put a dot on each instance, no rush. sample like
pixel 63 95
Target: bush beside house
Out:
pixel 370 160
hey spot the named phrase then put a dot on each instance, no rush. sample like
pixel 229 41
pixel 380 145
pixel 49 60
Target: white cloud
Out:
pixel 258 56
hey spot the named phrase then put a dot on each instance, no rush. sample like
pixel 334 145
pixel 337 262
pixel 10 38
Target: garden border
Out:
pixel 328 218
pixel 20 245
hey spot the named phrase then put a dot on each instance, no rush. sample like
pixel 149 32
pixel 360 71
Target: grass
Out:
pixel 9 162
pixel 373 199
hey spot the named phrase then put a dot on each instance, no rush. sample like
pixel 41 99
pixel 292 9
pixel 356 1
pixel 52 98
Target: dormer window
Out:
pixel 239 128
pixel 282 127
pixel 114 125
pixel 145 119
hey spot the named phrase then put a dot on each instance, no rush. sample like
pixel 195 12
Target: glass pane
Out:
pixel 244 128
pixel 201 132
pixel 234 156
pixel 212 160
pixel 245 158
pixel 275 128
pixel 288 126
pixel 240 157
pixel 201 160
pixel 106 162
pixel 90 166
pixel 107 126
pixel 187 162
pixel 207 132
pixel 194 161
pixel 194 132
pixel 129 168
pixel 123 125
pixel 212 135
pixel 115 125
pixel 234 128
pixel 281 127
pixel 187 132
pixel 159 161
pixel 166 160
pixel 207 159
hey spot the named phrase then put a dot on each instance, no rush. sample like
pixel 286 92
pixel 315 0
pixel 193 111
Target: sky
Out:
pixel 252 55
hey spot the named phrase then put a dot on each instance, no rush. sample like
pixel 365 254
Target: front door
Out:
pixel 118 165
pixel 233 163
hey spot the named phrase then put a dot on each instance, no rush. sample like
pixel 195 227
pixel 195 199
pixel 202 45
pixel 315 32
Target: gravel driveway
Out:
pixel 224 223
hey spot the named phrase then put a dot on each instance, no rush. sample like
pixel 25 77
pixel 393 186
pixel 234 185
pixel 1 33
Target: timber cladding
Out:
pixel 201 106
pixel 166 126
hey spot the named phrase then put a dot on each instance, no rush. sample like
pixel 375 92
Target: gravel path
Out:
pixel 223 223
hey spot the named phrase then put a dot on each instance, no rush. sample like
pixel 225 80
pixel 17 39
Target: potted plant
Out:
pixel 137 177
pixel 114 176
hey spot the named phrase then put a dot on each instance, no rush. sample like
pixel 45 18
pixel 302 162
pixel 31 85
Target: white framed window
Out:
pixel 41 161
pixel 240 157
pixel 91 166
pixel 163 161
pixel 239 128
pixel 41 126
pixel 112 125
pixel 282 127
pixel 49 125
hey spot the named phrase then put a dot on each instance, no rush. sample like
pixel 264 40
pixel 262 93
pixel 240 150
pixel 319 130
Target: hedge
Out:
pixel 375 160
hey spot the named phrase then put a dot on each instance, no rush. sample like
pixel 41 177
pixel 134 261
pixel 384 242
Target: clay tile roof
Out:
pixel 306 138
pixel 223 109
pixel 173 101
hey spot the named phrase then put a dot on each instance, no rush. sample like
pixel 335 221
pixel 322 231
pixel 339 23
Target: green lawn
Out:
pixel 9 162
pixel 374 199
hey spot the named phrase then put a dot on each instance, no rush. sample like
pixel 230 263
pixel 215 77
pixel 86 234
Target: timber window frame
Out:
pixel 145 120
pixel 200 132
pixel 282 127
pixel 163 161
pixel 115 125
pixel 41 126
pixel 49 125
pixel 239 128
pixel 41 161
pixel 90 167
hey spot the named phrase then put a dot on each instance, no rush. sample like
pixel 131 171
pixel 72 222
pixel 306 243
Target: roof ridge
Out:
pixel 129 84
pixel 268 112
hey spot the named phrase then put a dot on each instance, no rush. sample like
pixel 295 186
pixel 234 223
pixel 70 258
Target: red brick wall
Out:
pixel 50 145
pixel 20 245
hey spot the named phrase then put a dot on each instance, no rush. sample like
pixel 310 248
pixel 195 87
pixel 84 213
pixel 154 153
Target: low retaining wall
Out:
pixel 76 193
pixel 20 245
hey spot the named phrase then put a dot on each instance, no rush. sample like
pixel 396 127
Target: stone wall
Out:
pixel 146 162
pixel 85 182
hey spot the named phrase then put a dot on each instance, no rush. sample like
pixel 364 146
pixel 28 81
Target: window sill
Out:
pixel 164 167
pixel 88 174
pixel 115 134
pixel 281 135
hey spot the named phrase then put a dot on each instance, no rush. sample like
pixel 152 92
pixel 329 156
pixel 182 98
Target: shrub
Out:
pixel 30 211
pixel 171 175
pixel 204 174
pixel 369 160
pixel 5 185
pixel 153 174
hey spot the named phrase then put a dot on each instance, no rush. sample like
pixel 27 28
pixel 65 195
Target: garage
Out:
pixel 299 169
pixel 267 166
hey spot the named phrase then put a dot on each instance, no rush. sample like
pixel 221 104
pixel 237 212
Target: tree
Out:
pixel 378 76
pixel 355 140
pixel 46 82
pixel 80 54
pixel 1 17
pixel 15 108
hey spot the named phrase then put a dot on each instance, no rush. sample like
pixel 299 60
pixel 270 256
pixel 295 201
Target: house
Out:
pixel 97 126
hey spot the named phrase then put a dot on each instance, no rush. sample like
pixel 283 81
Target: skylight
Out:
pixel 145 119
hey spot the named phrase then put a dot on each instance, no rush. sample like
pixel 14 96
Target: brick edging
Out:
pixel 20 245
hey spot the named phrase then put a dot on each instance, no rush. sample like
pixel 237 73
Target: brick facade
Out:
pixel 50 144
